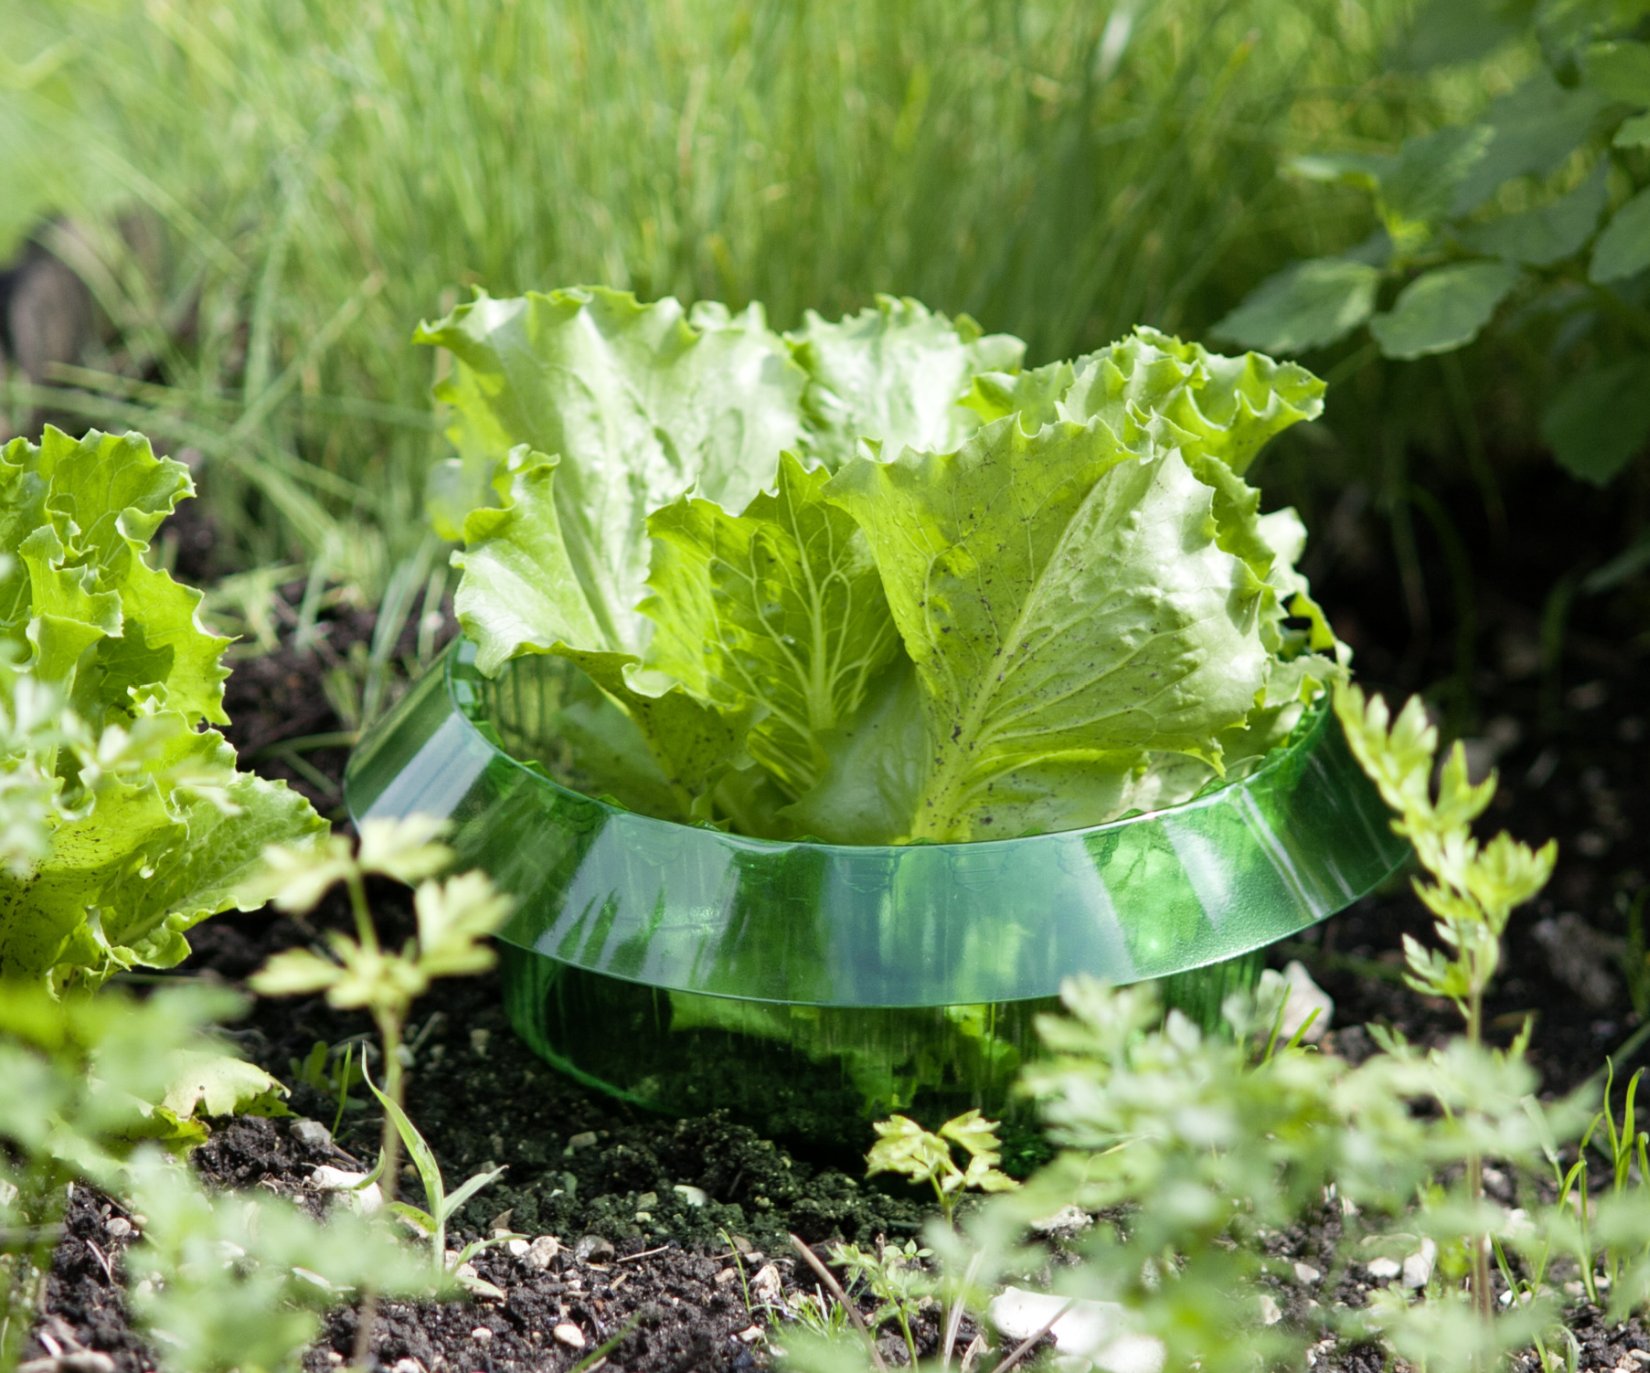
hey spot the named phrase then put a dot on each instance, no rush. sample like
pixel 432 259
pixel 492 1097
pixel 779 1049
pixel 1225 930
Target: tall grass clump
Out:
pixel 269 194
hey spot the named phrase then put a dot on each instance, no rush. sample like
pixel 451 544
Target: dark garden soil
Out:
pixel 661 1245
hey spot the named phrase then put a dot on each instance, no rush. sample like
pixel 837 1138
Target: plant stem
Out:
pixel 1482 1298
pixel 389 1021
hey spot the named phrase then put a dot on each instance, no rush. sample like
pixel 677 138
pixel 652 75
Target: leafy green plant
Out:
pixel 124 820
pixel 822 584
pixel 1474 888
pixel 454 918
pixel 1532 218
pixel 217 1281
pixel 238 1280
pixel 432 1224
pixel 927 1157
pixel 1187 1150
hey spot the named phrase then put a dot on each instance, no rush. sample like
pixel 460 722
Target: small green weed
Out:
pixel 454 916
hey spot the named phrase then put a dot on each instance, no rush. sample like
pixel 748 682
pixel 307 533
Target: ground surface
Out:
pixel 663 1242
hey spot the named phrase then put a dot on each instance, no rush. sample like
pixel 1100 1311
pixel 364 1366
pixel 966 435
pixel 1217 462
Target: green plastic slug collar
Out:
pixel 692 909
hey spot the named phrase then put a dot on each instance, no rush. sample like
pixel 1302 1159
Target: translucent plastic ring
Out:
pixel 691 914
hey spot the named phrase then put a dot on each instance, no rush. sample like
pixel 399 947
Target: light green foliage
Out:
pixel 80 1079
pixel 895 1277
pixel 778 611
pixel 1474 888
pixel 1028 600
pixel 1540 201
pixel 239 1280
pixel 924 1156
pixel 455 917
pixel 124 820
pixel 1188 1150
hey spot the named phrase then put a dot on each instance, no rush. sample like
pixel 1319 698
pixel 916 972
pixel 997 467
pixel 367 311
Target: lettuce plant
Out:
pixel 123 820
pixel 869 581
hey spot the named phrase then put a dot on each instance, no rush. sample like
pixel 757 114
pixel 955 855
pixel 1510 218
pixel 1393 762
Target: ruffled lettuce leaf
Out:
pixel 1062 601
pixel 611 412
pixel 141 825
pixel 638 403
pixel 1153 386
pixel 893 374
pixel 777 611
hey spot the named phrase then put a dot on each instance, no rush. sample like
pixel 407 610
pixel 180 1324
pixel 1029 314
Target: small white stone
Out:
pixel 479 1035
pixel 482 1335
pixel 120 1227
pixel 1270 1312
pixel 765 1285
pixel 365 1199
pixel 692 1196
pixel 1305 997
pixel 1418 1266
pixel 541 1253
pixel 569 1334
pixel 1306 1273
pixel 584 1140
pixel 1083 1329
pixel 1384 1269
pixel 516 1248
pixel 751 1334
pixel 407 1365
pixel 1068 1220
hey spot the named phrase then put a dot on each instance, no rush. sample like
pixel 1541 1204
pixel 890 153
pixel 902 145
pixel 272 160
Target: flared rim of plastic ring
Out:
pixel 695 909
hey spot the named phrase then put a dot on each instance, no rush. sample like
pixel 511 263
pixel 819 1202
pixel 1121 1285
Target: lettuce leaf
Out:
pixel 892 374
pixel 873 583
pixel 1063 601
pixel 125 822
pixel 777 611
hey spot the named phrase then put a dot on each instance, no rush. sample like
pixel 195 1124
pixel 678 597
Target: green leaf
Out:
pixel 520 593
pixel 219 1084
pixel 144 826
pixel 295 972
pixel 1362 170
pixel 1620 70
pixel 1443 33
pixel 1309 305
pixel 778 611
pixel 1443 309
pixel 1422 182
pixel 1534 129
pixel 1633 133
pixel 993 557
pixel 867 790
pixel 639 403
pixel 1599 420
pixel 1153 388
pixel 1623 249
pixel 1549 233
pixel 893 374
pixel 455 920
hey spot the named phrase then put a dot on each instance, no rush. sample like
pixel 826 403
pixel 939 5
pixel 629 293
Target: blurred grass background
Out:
pixel 267 195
